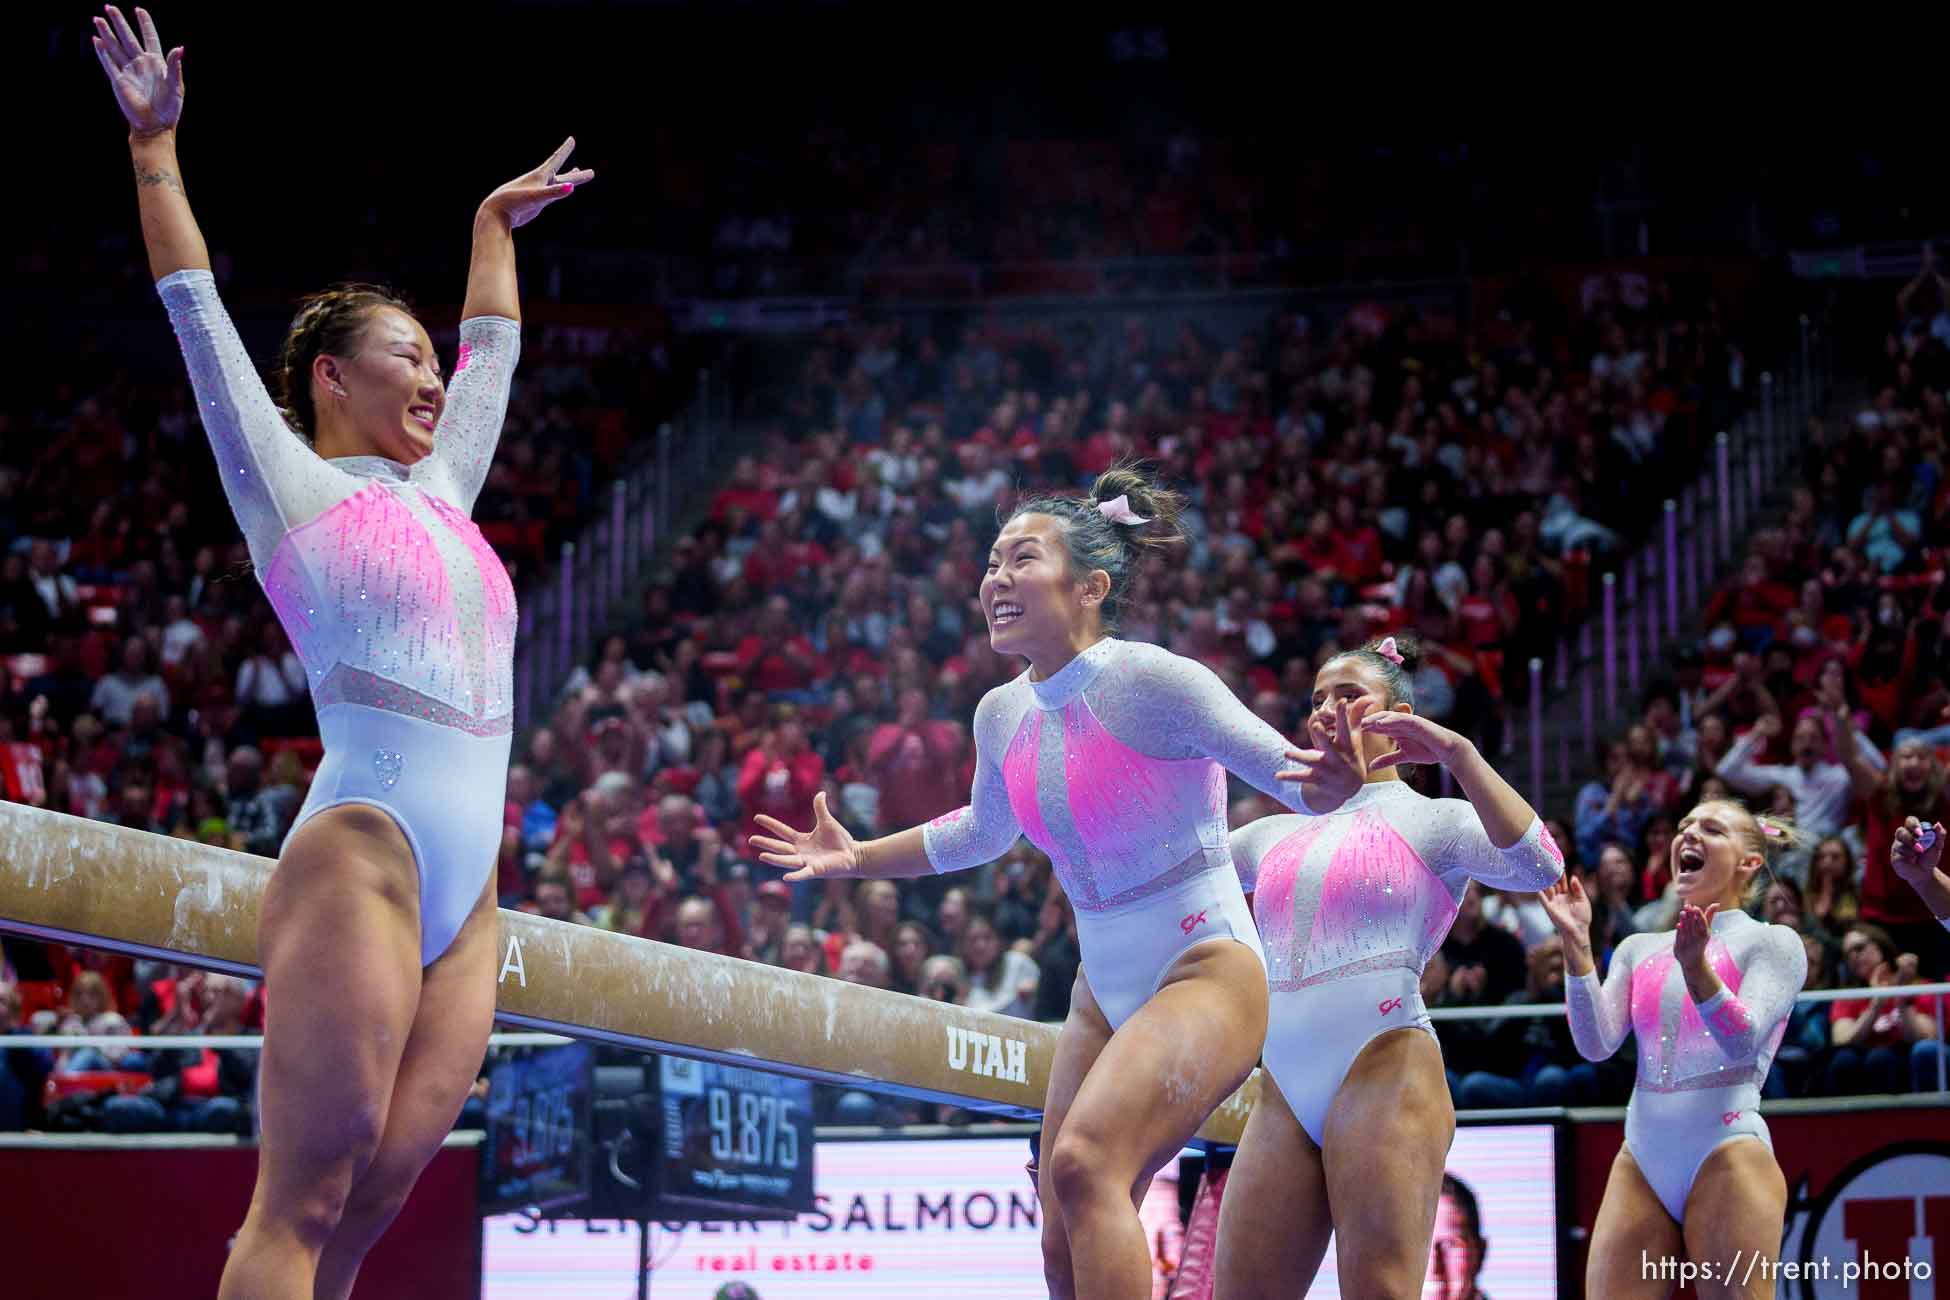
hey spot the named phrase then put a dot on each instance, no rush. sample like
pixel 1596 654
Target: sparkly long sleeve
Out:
pixel 1533 862
pixel 1774 974
pixel 1601 1014
pixel 272 479
pixel 1251 842
pixel 477 405
pixel 983 829
pixel 1176 708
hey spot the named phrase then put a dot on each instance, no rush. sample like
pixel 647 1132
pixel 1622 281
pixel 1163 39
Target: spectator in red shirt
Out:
pixel 917 763
pixel 746 492
pixel 1884 661
pixel 780 776
pixel 1358 543
pixel 1878 1040
pixel 1913 786
pixel 1318 550
pixel 1756 605
pixel 595 837
pixel 708 920
pixel 777 656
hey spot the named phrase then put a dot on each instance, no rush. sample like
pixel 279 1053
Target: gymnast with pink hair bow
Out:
pixel 1354 1119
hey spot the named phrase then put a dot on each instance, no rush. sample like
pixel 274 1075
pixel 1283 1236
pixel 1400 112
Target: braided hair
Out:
pixel 328 323
pixel 1096 542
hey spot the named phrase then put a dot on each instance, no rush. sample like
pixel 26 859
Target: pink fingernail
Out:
pixel 567 188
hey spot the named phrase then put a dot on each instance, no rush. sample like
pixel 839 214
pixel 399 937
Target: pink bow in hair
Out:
pixel 1118 511
pixel 1387 650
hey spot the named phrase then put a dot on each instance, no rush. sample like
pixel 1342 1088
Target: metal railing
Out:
pixel 1524 1011
pixel 569 605
pixel 1654 590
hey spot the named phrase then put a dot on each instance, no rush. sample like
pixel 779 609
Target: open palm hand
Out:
pixel 148 84
pixel 827 850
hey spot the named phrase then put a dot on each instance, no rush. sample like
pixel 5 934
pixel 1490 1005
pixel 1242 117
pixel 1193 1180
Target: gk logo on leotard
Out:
pixel 1391 1004
pixel 1726 1120
pixel 1193 921
pixel 990 1055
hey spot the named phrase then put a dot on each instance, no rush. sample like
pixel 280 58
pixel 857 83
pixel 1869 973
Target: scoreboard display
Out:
pixel 536 1151
pixel 734 1143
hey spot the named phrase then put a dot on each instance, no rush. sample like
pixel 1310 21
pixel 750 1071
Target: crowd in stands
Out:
pixel 817 631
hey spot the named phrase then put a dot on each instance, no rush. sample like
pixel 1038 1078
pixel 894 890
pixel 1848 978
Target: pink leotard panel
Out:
pixel 1019 774
pixel 1374 884
pixel 1115 767
pixel 1115 796
pixel 1730 1039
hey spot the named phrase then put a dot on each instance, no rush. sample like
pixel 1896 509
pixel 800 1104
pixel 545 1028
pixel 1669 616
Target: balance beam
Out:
pixel 71 880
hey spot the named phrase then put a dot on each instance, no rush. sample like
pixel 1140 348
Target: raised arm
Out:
pixel 1738 768
pixel 148 86
pixel 1504 844
pixel 272 479
pixel 490 330
pixel 1600 1014
pixel 1862 774
pixel 1917 857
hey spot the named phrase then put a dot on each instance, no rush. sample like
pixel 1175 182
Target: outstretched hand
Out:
pixel 1417 739
pixel 148 84
pixel 522 199
pixel 827 850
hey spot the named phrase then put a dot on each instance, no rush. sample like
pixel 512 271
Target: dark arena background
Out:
pixel 1642 435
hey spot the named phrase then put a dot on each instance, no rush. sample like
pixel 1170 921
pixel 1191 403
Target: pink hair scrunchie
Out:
pixel 1388 651
pixel 1118 511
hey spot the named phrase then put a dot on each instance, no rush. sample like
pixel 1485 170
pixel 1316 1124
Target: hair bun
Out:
pixel 1149 516
pixel 1408 651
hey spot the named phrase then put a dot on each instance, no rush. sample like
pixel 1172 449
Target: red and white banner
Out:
pixel 1868 1201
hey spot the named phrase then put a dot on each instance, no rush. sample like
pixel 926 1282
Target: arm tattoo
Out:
pixel 160 176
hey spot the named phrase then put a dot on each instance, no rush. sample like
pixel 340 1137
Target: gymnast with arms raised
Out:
pixel 377 934
pixel 1111 757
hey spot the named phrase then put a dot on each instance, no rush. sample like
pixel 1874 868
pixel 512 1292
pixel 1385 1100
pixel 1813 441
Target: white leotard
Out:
pixel 401 613
pixel 1351 905
pixel 1115 767
pixel 1700 1066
